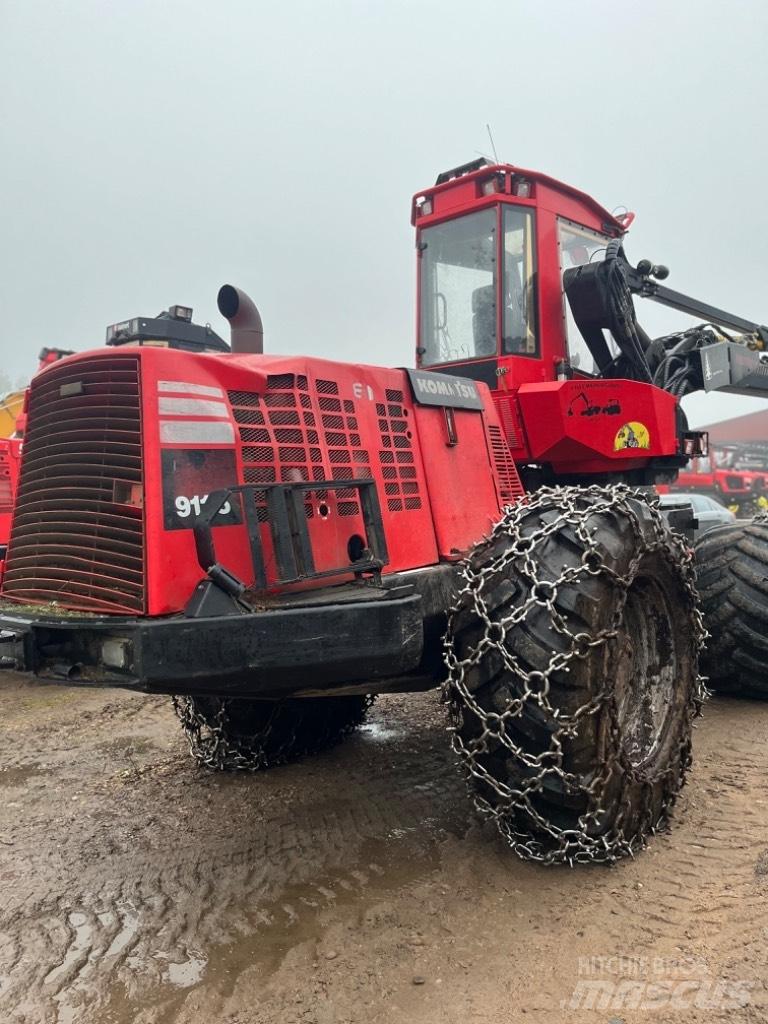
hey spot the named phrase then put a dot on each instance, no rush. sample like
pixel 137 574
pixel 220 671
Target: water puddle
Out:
pixel 273 928
pixel 78 949
pixel 189 973
pixel 130 923
pixel 16 777
pixel 127 746
pixel 380 733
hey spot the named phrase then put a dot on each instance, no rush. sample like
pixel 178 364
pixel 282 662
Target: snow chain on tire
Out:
pixel 221 737
pixel 513 552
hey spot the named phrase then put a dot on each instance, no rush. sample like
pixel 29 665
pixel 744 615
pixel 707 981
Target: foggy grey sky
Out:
pixel 154 149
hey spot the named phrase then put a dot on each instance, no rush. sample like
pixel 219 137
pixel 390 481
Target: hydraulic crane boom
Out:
pixel 703 357
pixel 644 279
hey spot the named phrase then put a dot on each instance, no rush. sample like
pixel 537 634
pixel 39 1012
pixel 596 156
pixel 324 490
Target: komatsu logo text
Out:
pixel 441 389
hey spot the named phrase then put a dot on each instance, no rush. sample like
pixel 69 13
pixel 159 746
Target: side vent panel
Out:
pixel 299 432
pixel 510 486
pixel 401 487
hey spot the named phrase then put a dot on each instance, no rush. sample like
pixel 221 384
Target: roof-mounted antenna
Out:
pixel 493 144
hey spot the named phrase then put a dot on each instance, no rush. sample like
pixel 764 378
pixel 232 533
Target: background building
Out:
pixel 752 427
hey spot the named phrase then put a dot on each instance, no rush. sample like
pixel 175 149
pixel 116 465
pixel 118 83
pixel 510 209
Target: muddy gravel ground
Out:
pixel 354 886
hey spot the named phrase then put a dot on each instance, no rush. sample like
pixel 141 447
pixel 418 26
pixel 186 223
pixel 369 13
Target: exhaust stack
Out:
pixel 246 330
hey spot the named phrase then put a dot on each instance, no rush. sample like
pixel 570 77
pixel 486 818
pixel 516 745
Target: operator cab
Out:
pixel 493 242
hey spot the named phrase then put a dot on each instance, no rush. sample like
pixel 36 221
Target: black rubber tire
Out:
pixel 229 734
pixel 732 572
pixel 559 819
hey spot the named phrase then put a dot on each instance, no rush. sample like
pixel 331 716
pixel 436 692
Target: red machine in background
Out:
pixel 272 539
pixel 734 474
pixel 10 459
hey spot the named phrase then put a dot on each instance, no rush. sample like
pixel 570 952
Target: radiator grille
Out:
pixel 78 530
pixel 509 482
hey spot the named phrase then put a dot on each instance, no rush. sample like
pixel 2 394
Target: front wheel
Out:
pixel 573 673
pixel 233 734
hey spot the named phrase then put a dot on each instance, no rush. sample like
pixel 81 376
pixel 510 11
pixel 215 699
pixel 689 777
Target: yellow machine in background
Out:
pixel 10 407
pixel 12 404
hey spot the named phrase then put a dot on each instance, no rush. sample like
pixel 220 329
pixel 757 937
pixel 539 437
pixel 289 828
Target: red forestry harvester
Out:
pixel 273 539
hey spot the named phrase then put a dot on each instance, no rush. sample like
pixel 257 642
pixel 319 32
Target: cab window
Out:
pixel 519 335
pixel 458 289
pixel 577 246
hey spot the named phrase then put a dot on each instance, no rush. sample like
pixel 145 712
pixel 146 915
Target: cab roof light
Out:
pixel 423 206
pixel 490 186
pixel 521 187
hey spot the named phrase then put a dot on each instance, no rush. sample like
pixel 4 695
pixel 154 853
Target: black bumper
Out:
pixel 268 653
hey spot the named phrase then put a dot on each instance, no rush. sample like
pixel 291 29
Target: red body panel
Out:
pixel 465 495
pixel 582 426
pixel 172 566
pixel 208 421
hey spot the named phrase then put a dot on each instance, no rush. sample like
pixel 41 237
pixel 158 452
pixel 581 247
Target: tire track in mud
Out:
pixel 161 883
pixel 702 897
pixel 137 902
pixel 689 910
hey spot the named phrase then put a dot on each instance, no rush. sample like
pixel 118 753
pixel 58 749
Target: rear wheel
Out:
pixel 732 571
pixel 572 673
pixel 229 734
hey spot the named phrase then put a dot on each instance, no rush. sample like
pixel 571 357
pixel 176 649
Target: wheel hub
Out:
pixel 647 670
